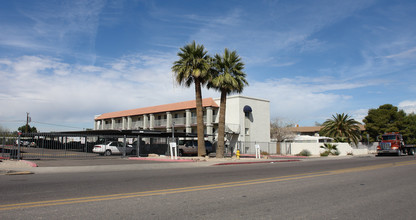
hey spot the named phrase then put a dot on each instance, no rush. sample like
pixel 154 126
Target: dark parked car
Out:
pixel 190 147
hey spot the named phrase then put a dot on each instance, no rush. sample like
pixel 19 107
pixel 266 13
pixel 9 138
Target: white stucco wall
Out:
pixel 316 150
pixel 259 126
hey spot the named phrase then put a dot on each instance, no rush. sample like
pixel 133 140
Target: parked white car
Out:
pixel 113 147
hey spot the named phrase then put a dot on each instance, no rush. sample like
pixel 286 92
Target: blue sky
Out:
pixel 66 61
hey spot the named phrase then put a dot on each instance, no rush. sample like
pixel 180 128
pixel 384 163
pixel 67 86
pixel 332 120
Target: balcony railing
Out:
pixel 107 127
pixel 137 125
pixel 118 126
pixel 179 121
pixel 160 122
pixel 194 120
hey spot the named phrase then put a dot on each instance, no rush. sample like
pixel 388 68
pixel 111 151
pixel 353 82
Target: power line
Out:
pixel 44 123
pixel 12 121
pixel 38 122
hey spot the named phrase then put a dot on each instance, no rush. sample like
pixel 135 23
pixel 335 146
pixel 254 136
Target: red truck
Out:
pixel 392 143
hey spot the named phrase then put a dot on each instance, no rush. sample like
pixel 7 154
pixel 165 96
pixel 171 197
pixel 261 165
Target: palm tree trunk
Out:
pixel 221 126
pixel 199 119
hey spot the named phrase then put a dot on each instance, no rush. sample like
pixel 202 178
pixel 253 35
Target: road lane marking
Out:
pixel 199 188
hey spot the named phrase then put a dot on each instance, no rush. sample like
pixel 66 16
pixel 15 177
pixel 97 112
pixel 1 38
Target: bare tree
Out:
pixel 280 129
pixel 3 130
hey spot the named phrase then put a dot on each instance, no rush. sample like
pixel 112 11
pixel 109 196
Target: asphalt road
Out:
pixel 358 188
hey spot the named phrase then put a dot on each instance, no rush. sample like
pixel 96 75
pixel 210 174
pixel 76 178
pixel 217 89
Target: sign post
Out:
pixel 173 150
pixel 257 151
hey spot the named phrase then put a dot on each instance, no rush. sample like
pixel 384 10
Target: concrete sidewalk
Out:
pixel 133 163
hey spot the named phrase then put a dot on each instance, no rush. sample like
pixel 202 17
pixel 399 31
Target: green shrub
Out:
pixel 264 153
pixel 330 149
pixel 325 154
pixel 305 152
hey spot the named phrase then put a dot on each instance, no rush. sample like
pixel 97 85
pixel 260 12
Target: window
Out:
pixel 247 131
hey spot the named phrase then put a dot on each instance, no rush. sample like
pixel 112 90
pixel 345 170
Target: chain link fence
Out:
pixel 265 147
pixel 59 145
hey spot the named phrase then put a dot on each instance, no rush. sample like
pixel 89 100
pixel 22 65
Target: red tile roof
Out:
pixel 314 129
pixel 207 102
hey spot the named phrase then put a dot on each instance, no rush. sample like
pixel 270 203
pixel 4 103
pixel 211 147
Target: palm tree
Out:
pixel 330 149
pixel 342 126
pixel 227 77
pixel 193 68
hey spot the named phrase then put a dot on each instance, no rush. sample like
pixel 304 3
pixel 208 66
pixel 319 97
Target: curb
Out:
pixel 30 163
pixel 11 172
pixel 161 159
pixel 272 156
pixel 251 162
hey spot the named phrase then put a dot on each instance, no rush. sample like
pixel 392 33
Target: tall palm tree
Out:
pixel 227 77
pixel 193 68
pixel 342 126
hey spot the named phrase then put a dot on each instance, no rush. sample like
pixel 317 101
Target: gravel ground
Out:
pixel 7 167
pixel 10 164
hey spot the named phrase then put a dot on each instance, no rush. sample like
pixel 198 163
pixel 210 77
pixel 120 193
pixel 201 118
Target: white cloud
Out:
pixel 403 54
pixel 298 101
pixel 55 92
pixel 359 115
pixel 55 28
pixel 60 93
pixel 408 106
pixel 288 27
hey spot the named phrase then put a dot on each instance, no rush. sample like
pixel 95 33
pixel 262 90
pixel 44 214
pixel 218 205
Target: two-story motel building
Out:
pixel 247 119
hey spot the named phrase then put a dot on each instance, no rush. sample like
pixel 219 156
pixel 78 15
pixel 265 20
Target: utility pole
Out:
pixel 27 121
pixel 173 129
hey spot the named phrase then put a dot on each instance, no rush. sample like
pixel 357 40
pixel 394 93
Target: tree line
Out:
pixel 343 128
pixel 386 118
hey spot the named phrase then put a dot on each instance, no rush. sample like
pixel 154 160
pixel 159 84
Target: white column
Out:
pixel 152 122
pixel 168 122
pixel 210 128
pixel 113 123
pixel 145 122
pixel 124 123
pixel 129 123
pixel 188 121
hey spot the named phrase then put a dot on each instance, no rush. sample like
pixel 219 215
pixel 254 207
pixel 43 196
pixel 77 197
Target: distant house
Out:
pixel 309 139
pixel 313 130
